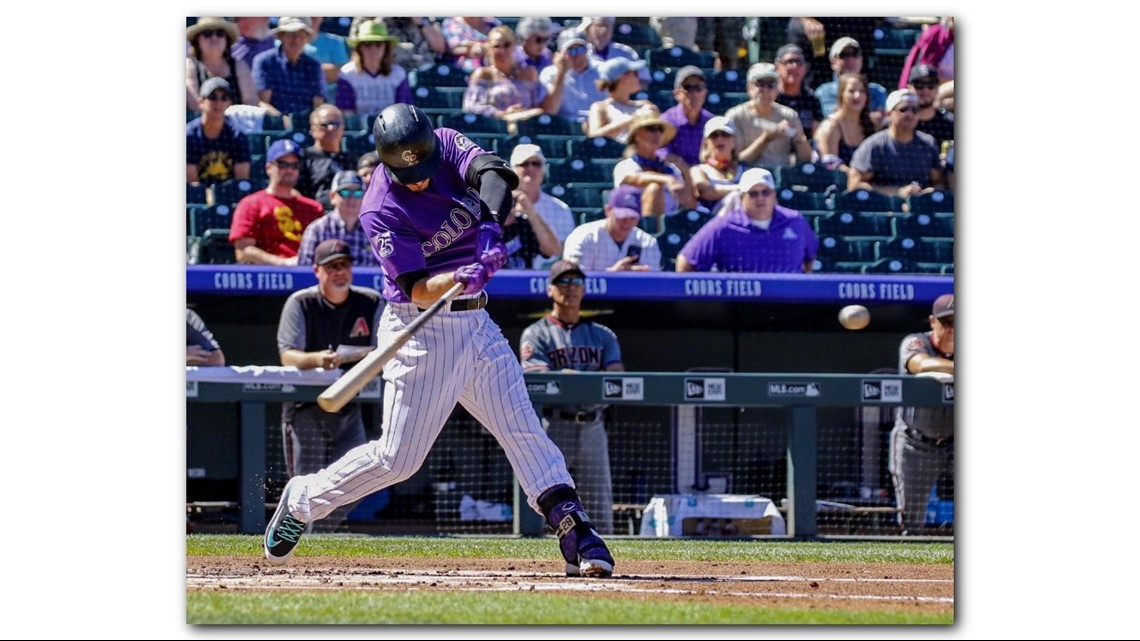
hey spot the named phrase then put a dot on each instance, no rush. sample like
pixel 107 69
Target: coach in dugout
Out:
pixel 329 325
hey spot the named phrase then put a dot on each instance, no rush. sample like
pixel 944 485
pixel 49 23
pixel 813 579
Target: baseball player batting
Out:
pixel 432 215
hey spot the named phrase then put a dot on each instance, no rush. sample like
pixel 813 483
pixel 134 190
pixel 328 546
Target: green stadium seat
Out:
pixel 354 122
pixel 257 168
pixel 576 170
pixel 662 78
pixel 718 104
pixel 844 223
pixel 439 100
pixel 336 26
pixel 472 123
pixel 213 217
pixel 440 75
pixel 862 200
pixel 929 225
pixel 600 147
pixel 800 200
pixel 936 201
pixel 679 57
pixel 298 120
pixel 192 210
pixel 546 124
pixel 686 223
pixel 731 80
pixel 578 196
pixel 553 147
pixel 357 143
pixel 302 138
pixel 851 248
pixel 275 123
pixel 638 35
pixel 894 41
pixel 214 248
pixel 925 250
pixel 815 176
pixel 889 265
pixel 233 190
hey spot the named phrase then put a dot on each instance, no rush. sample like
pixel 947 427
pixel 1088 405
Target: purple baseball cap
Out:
pixel 943 306
pixel 282 148
pixel 625 201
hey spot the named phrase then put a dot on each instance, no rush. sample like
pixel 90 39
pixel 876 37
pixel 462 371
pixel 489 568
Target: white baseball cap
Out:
pixel 525 152
pixel 718 123
pixel 755 176
pixel 900 95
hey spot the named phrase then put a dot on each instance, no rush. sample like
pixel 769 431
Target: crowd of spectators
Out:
pixel 809 106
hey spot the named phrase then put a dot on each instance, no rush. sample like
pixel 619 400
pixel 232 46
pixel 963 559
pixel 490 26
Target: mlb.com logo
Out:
pixel 882 391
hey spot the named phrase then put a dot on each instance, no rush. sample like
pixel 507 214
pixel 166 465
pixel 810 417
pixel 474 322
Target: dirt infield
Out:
pixel 884 587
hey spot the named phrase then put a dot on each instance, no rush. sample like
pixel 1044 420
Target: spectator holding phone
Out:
pixel 615 243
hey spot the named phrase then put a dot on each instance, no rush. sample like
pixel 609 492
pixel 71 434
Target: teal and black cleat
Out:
pixel 283 532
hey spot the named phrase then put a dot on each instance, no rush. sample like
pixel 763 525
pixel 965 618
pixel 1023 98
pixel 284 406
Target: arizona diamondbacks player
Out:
pixel 922 441
pixel 565 341
pixel 432 216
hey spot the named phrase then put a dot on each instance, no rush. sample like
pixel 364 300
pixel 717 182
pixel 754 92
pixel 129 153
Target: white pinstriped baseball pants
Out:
pixel 455 357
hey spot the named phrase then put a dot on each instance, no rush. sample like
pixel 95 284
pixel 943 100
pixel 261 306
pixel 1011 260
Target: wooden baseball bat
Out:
pixel 345 388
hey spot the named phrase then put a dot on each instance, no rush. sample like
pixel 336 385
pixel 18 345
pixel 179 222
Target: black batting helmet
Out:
pixel 405 140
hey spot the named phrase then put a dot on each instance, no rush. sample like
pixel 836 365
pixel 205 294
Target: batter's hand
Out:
pixel 473 276
pixel 489 248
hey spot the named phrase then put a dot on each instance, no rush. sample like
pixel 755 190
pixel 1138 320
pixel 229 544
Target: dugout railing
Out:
pixel 801 396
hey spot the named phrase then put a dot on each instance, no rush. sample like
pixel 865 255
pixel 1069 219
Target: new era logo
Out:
pixel 882 391
pixel 611 388
pixel 694 388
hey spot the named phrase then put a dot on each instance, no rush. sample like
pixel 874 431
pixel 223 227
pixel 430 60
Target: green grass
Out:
pixel 624 549
pixel 514 608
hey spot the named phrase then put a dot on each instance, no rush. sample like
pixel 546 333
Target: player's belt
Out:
pixel 577 417
pixel 467 304
pixel 917 435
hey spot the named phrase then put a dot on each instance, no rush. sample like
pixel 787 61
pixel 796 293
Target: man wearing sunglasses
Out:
pixel 323 159
pixel 341 223
pixel 847 57
pixel 756 235
pixel 216 151
pixel 267 225
pixel 922 441
pixel 932 118
pixel 571 81
pixel 329 325
pixel 899 160
pixel 767 133
pixel 565 341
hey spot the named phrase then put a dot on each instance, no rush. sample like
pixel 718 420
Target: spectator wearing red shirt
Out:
pixel 267 225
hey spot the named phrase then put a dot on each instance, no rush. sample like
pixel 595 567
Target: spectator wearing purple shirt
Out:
pixel 755 236
pixel 254 39
pixel 534 34
pixel 688 115
pixel 287 80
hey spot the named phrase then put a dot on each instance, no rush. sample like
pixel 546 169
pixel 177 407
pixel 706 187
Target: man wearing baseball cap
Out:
pixel 330 325
pixel 847 57
pixel 689 115
pixel 566 341
pixel 932 119
pixel 791 67
pixel 899 160
pixel 215 150
pixel 540 222
pixel 767 133
pixel 288 80
pixel 571 81
pixel 922 441
pixel 755 235
pixel 267 225
pixel 342 222
pixel 615 243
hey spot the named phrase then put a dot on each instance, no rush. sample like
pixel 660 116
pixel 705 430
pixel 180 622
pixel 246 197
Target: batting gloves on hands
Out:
pixel 473 276
pixel 489 248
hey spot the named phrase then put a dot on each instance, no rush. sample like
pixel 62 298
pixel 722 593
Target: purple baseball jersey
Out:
pixel 731 243
pixel 434 229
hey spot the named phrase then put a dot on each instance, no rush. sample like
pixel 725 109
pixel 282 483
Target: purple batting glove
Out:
pixel 489 248
pixel 473 276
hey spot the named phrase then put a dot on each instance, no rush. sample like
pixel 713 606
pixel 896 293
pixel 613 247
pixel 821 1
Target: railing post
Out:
pixel 252 472
pixel 802 443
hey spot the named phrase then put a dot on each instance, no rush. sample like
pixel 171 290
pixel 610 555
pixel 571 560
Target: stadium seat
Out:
pixel 662 78
pixel 233 190
pixel 731 80
pixel 357 143
pixel 638 35
pixel 214 248
pixel 297 120
pixel 336 26
pixel 192 210
pixel 587 148
pixel 258 142
pixel 576 170
pixel 679 57
pixel 815 176
pixel 925 250
pixel 686 223
pixel 270 122
pixel 936 201
pixel 915 225
pixel 848 267
pixel 578 196
pixel 893 42
pixel 652 225
pixel 889 266
pixel 733 98
pixel 863 200
pixel 440 75
pixel 213 217
pixel 439 100
pixel 470 123
pixel 664 99
pixel 813 218
pixel 195 194
pixel 302 138
pixel 850 248
pixel 553 147
pixel 547 124
pixel 257 168
pixel 354 122
pixel 800 200
pixel 844 223
pixel 719 104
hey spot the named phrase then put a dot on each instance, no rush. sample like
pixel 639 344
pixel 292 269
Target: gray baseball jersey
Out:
pixel 550 344
pixel 934 422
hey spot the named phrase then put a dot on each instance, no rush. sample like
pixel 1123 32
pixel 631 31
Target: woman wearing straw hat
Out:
pixel 370 81
pixel 209 57
pixel 665 184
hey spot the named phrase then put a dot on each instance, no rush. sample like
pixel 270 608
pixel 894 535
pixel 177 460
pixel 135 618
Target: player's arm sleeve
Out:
pixel 493 177
pixel 291 327
pixel 611 352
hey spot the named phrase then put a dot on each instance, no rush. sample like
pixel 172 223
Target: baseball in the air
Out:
pixel 854 317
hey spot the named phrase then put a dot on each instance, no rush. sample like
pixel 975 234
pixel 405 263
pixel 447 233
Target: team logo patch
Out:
pixel 359 328
pixel 463 142
pixel 527 351
pixel 915 344
pixel 410 157
pixel 793 389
